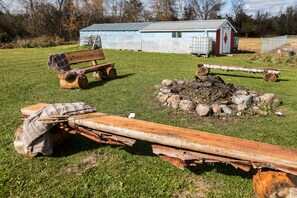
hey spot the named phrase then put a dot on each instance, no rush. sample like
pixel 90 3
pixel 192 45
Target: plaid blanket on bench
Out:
pixel 60 63
pixel 35 136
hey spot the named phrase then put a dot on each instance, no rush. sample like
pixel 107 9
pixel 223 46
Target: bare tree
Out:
pixel 133 11
pixel 237 7
pixel 207 9
pixel 164 10
pixel 93 11
pixel 2 7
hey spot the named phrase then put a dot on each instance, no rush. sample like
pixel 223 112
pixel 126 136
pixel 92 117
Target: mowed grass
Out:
pixel 82 168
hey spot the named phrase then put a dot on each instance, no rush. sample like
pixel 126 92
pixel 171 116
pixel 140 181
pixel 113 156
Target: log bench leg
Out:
pixel 273 184
pixel 75 82
pixel 107 73
pixel 202 71
pixel 269 77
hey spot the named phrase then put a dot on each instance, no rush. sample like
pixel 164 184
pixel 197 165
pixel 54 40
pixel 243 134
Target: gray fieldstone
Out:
pixel 174 101
pixel 165 90
pixel 203 109
pixel 168 83
pixel 241 107
pixel 226 109
pixel 242 99
pixel 267 98
pixel 163 98
pixel 259 111
pixel 180 82
pixel 186 105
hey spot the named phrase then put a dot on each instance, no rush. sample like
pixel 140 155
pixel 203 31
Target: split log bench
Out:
pixel 76 78
pixel 268 74
pixel 274 167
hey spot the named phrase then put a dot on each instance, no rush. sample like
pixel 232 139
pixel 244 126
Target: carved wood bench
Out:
pixel 71 79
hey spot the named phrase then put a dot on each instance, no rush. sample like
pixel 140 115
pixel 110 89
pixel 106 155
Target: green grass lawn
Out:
pixel 82 168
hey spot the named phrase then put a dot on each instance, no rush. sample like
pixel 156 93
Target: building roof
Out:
pixel 117 26
pixel 161 26
pixel 186 25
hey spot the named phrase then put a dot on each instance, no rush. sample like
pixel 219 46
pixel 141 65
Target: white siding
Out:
pixel 130 40
pixel 163 41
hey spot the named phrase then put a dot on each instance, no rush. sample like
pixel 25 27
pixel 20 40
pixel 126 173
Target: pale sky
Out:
pixel 251 6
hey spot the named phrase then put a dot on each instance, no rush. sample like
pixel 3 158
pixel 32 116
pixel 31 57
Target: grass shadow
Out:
pixel 144 149
pixel 78 144
pixel 101 82
pixel 140 148
pixel 245 52
pixel 221 168
pixel 75 145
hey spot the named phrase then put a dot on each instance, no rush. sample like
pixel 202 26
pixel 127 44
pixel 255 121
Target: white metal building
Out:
pixel 168 37
pixel 115 35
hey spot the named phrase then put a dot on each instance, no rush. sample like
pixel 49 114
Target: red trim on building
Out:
pixel 232 42
pixel 218 42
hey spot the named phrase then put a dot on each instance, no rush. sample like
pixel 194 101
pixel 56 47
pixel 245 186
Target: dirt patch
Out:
pixel 197 189
pixel 87 163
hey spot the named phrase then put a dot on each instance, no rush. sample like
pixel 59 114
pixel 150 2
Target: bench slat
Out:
pixel 84 56
pixel 97 67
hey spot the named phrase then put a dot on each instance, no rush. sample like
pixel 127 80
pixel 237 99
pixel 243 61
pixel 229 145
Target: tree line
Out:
pixel 64 18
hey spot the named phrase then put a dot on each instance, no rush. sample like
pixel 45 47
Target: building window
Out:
pixel 176 34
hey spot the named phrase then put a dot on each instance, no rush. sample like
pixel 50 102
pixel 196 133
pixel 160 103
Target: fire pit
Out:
pixel 212 96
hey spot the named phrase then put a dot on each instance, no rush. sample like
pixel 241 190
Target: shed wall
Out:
pixel 163 41
pixel 130 40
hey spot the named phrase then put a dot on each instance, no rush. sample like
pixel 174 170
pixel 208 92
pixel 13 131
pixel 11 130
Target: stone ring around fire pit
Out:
pixel 212 96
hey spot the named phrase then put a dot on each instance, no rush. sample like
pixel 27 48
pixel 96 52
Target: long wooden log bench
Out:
pixel 274 167
pixel 101 70
pixel 268 74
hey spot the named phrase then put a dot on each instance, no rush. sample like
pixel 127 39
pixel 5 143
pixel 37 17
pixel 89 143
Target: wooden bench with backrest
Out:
pixel 76 78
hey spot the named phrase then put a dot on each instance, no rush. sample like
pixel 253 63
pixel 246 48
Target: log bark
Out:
pixel 268 77
pixel 202 71
pixel 76 82
pixel 108 73
pixel 244 69
pixel 272 184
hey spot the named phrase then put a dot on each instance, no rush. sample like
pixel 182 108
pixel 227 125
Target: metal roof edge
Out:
pixel 186 30
pixel 227 21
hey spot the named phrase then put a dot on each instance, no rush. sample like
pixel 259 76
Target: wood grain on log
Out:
pixel 266 155
pixel 202 71
pixel 108 73
pixel 75 82
pixel 273 184
pixel 97 67
pixel 84 56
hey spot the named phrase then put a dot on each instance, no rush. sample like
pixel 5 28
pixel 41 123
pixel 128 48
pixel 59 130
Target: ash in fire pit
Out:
pixel 212 96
